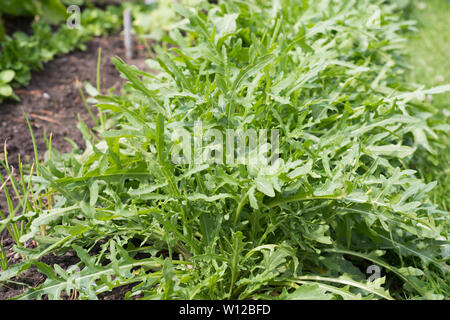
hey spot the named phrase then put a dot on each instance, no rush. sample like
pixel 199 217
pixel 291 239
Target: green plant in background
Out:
pixel 341 198
pixel 6 91
pixel 24 53
pixel 77 2
pixel 2 30
pixel 52 11
pixel 156 22
pixel 428 49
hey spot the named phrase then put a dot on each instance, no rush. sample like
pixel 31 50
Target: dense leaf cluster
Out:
pixel 341 197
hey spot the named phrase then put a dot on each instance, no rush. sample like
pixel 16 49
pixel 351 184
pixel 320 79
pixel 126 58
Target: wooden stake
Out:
pixel 127 34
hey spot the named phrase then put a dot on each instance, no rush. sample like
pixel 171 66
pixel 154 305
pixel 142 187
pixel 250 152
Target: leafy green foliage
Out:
pixel 52 11
pixel 341 197
pixel 24 53
pixel 6 91
pixel 433 70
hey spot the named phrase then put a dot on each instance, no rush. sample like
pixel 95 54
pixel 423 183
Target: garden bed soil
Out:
pixel 52 103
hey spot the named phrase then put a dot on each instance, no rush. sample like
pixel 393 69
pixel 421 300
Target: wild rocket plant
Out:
pixel 338 201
